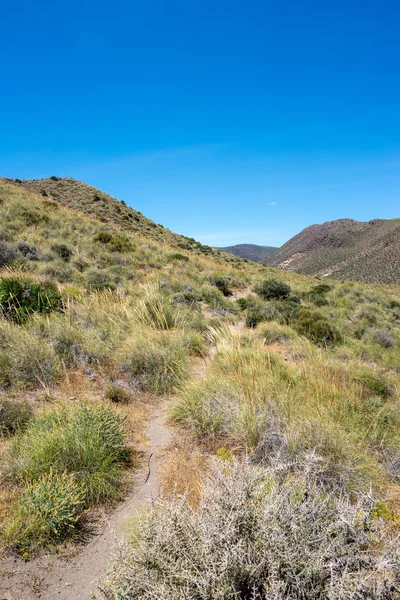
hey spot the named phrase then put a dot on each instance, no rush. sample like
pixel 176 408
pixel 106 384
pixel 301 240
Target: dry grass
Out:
pixel 183 470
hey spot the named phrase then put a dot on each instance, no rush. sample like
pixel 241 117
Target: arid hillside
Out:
pixel 344 249
pixel 250 251
pixel 88 200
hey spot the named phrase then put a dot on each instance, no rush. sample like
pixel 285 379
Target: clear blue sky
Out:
pixel 227 121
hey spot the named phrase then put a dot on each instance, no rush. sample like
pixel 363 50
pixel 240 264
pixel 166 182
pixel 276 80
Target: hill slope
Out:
pixel 249 251
pixel 89 200
pixel 344 249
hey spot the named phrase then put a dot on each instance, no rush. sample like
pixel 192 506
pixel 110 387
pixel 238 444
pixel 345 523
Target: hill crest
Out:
pixel 344 249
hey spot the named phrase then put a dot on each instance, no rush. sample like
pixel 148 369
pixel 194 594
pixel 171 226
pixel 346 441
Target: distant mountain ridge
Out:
pixel 249 251
pixel 344 249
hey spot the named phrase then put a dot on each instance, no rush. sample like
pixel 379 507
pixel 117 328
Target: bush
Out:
pixel 158 364
pixel 317 328
pixel 178 256
pixel 26 361
pixel 20 298
pixel 257 534
pixel 222 284
pixel 118 393
pixel 384 338
pixel 211 295
pixel 54 178
pixel 47 513
pixel 7 254
pixel 283 311
pixel 62 251
pixel 83 439
pixel 272 289
pixel 97 281
pixel 116 242
pixel 254 316
pixel 14 416
pixel 27 250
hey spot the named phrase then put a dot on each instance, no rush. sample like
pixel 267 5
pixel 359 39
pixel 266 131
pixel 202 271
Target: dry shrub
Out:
pixel 258 534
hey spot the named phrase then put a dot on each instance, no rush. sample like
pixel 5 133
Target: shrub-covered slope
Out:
pixel 250 251
pixel 344 249
pixel 86 199
pixel 299 374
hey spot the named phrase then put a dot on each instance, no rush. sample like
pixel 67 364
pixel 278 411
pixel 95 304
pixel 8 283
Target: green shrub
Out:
pixel 104 236
pixel 87 440
pixel 158 364
pixel 118 393
pixel 54 178
pixel 47 513
pixel 222 284
pixel 97 281
pixel 284 312
pixel 20 298
pixel 178 256
pixel 116 242
pixel 14 416
pixel 321 288
pixel 254 316
pixel 211 295
pixel 317 328
pixel 272 289
pixel 62 251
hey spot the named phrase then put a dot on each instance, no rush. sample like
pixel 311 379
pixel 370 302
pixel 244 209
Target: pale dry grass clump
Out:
pixel 182 472
pixel 258 534
pixel 249 393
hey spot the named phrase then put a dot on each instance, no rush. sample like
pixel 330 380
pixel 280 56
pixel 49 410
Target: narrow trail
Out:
pixel 51 577
pixel 76 577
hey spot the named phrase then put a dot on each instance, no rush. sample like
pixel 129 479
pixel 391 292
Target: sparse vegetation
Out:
pixel 258 533
pixel 100 311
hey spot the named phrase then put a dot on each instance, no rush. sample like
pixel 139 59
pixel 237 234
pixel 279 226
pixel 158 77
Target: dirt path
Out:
pixel 50 577
pixel 76 577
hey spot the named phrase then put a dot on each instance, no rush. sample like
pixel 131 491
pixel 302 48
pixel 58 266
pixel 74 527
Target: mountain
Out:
pixel 344 249
pixel 90 201
pixel 249 251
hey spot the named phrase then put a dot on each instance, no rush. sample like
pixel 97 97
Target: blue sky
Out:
pixel 227 121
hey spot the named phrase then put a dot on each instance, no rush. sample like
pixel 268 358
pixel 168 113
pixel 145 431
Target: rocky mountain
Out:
pixel 344 249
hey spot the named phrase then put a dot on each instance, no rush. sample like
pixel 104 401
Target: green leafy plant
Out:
pixel 47 513
pixel 272 289
pixel 317 328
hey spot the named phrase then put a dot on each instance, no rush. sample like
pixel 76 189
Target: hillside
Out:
pixel 171 398
pixel 249 251
pixel 344 249
pixel 89 200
